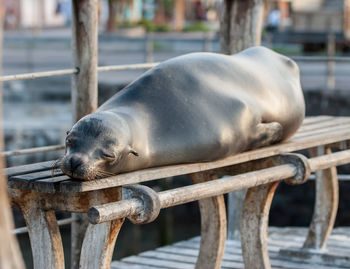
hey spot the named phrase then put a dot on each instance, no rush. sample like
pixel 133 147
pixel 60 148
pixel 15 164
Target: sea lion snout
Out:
pixel 76 166
pixel 75 161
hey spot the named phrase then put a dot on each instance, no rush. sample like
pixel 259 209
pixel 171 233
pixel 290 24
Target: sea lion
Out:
pixel 194 108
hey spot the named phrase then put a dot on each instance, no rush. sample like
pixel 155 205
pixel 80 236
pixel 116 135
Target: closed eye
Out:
pixel 108 156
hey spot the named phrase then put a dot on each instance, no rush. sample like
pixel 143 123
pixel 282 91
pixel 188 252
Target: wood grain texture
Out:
pixel 84 45
pixel 254 224
pixel 240 25
pixel 326 204
pixel 98 245
pixel 28 168
pixel 184 254
pixel 45 238
pixel 213 227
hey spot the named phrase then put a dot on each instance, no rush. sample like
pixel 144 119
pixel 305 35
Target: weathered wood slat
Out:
pixel 313 119
pixel 49 185
pixel 28 168
pixel 322 131
pixel 46 185
pixel 324 124
pixel 226 263
pixel 43 231
pixel 37 176
pixel 183 254
pixel 124 265
pixel 233 254
pixel 158 263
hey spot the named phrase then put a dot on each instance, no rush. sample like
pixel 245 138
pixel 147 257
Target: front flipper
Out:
pixel 266 134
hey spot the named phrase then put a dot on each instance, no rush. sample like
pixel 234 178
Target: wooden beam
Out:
pixel 240 24
pixel 84 45
pixel 84 87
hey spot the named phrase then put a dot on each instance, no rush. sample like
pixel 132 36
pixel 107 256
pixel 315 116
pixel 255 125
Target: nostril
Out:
pixel 75 162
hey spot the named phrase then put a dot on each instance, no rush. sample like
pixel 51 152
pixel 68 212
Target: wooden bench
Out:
pixel 39 194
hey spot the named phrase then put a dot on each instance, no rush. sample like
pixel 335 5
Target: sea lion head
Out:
pixel 96 146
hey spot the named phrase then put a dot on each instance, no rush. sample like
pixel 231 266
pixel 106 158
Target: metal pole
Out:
pixel 84 88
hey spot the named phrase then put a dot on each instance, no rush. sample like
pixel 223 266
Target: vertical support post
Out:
pixel 254 225
pixel 84 45
pixel 179 8
pixel 240 28
pixel 84 87
pixel 330 64
pixel 240 25
pixel 213 227
pixel 10 255
pixel 45 238
pixel 326 204
pixel 99 241
pixel 346 17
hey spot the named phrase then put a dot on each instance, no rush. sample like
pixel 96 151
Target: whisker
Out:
pixel 102 173
pixel 55 166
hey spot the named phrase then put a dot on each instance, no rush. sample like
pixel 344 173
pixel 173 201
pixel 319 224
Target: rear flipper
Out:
pixel 266 134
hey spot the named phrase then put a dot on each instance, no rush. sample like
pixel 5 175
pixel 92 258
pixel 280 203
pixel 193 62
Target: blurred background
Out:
pixel 37 37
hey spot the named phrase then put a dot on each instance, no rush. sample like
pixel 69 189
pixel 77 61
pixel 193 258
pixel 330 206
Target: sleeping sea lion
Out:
pixel 198 107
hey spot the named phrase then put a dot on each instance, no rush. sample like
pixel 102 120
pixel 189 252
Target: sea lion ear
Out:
pixel 132 151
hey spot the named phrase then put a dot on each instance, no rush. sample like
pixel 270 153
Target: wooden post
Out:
pixel 10 255
pixel 240 24
pixel 84 45
pixel 179 16
pixel 84 87
pixel 346 19
pixel 240 28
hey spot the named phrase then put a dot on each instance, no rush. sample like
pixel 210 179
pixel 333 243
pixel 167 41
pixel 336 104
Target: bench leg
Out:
pixel 98 244
pixel 99 240
pixel 44 234
pixel 254 225
pixel 326 205
pixel 213 228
